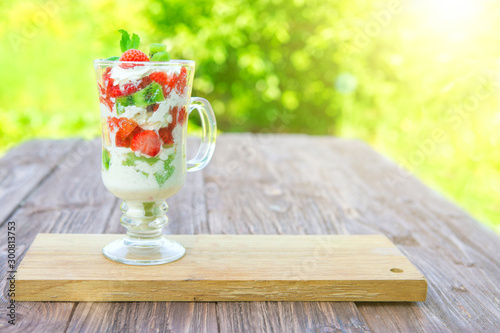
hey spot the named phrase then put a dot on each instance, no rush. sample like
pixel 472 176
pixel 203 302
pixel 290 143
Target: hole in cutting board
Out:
pixel 397 270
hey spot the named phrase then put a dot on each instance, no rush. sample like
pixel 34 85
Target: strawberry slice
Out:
pixel 166 132
pixel 128 89
pixel 125 130
pixel 166 135
pixel 147 143
pixel 181 80
pixel 128 139
pixel 182 116
pixel 171 82
pixel 104 95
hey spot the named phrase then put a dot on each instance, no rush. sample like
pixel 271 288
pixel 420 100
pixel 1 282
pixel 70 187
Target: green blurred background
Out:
pixel 415 79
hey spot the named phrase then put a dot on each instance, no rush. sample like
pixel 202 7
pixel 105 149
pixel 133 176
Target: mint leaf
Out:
pixel 106 158
pixel 112 58
pixel 160 56
pixel 125 41
pixel 134 43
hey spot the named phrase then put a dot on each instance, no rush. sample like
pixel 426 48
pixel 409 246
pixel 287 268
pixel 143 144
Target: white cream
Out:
pixel 132 111
pixel 122 76
pixel 129 182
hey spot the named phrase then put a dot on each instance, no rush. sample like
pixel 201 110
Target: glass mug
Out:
pixel 144 112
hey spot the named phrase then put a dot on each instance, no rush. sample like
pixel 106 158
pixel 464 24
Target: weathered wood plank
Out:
pixel 73 199
pixel 456 254
pixel 259 184
pixel 143 317
pixel 299 317
pixel 308 185
pixel 24 167
pixel 69 199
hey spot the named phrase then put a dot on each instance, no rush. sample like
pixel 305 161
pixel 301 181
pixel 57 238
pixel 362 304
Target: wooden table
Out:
pixel 261 184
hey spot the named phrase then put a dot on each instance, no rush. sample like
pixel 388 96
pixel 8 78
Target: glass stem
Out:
pixel 144 221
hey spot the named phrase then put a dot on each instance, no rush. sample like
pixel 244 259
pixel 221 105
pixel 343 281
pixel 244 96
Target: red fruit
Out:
pixel 166 135
pixel 147 143
pixel 171 82
pixel 166 132
pixel 106 73
pixel 181 118
pixel 178 81
pixel 132 55
pixel 129 88
pixel 104 95
pixel 160 77
pixel 125 130
pixel 181 81
pixel 128 140
pixel 107 102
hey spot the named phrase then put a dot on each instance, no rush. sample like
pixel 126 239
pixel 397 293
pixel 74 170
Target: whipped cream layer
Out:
pixel 122 76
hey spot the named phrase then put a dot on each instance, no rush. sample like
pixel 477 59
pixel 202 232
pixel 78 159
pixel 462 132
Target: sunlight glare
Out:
pixel 451 14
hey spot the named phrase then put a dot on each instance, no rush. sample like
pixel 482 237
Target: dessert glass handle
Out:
pixel 208 134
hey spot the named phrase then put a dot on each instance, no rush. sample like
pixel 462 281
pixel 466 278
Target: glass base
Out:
pixel 144 252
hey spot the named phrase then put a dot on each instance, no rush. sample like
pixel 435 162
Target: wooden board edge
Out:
pixel 224 291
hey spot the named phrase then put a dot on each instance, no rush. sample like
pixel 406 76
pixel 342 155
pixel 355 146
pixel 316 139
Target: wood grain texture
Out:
pixel 297 184
pixel 23 168
pixel 144 317
pixel 71 198
pixel 71 267
pixel 299 317
pixel 61 202
pixel 292 184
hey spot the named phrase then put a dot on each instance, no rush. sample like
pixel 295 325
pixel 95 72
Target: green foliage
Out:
pixel 414 79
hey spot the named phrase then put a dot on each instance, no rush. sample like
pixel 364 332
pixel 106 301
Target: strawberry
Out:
pixel 166 132
pixel 104 95
pixel 125 130
pixel 181 80
pixel 146 142
pixel 178 81
pixel 182 116
pixel 133 55
pixel 166 135
pixel 107 102
pixel 129 88
pixel 128 140
pixel 162 79
pixel 171 82
pixel 152 107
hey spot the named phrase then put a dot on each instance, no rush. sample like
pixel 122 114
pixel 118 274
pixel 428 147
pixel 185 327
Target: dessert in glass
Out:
pixel 145 103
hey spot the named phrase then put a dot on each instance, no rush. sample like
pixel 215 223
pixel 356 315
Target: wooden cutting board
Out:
pixel 71 267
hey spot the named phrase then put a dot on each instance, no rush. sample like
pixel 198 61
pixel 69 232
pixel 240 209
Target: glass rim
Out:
pixel 171 62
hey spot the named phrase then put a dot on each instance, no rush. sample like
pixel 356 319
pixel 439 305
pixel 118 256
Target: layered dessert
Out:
pixel 144 101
